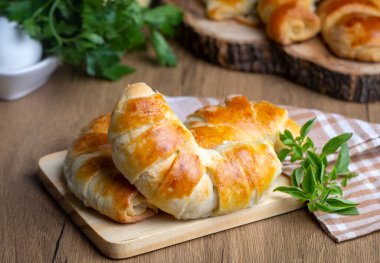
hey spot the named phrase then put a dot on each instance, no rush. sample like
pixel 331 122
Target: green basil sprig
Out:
pixel 311 181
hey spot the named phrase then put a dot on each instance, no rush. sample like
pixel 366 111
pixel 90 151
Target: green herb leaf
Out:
pixel 307 127
pixel 308 182
pixel 288 134
pixel 94 35
pixel 293 191
pixel 335 190
pixel 333 174
pixel 316 161
pixel 283 154
pixel 288 142
pixel 297 150
pixel 333 144
pixel 339 202
pixel 164 53
pixel 343 159
pixel 351 211
pixel 297 176
pixel 164 18
pixel 311 182
pixel 116 72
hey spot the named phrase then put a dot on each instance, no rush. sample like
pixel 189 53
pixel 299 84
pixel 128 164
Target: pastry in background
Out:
pixel 163 159
pixel 351 28
pixel 92 177
pixel 241 10
pixel 289 21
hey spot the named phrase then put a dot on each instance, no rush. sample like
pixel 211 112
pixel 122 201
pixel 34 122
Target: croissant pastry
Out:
pixel 92 176
pixel 240 120
pixel 289 21
pixel 226 9
pixel 351 28
pixel 161 157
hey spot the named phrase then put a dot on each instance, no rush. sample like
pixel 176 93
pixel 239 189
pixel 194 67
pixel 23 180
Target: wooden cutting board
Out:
pixel 239 47
pixel 117 240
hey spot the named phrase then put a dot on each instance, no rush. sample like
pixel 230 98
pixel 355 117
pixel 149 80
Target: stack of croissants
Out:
pixel 141 158
pixel 350 28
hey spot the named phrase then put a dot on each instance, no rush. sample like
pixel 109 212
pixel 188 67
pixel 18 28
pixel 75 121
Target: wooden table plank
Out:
pixel 33 227
pixel 374 112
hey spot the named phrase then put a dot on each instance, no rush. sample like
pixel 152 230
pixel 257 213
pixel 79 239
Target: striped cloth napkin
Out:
pixel 365 160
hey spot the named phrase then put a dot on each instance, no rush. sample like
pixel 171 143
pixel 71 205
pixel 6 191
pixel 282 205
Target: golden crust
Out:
pixel 239 120
pixel 289 21
pixel 245 173
pixel 166 163
pixel 92 176
pixel 352 28
pixel 226 9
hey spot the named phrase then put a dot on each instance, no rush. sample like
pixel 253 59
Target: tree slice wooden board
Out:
pixel 239 47
pixel 117 240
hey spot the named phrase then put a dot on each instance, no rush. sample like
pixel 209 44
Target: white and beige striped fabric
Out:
pixel 365 159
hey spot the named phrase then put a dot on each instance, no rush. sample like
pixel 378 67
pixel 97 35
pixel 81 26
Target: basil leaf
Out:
pixel 288 142
pixel 339 202
pixel 324 208
pixel 333 144
pixel 311 182
pixel 283 154
pixel 297 151
pixel 351 211
pixel 308 182
pixel 293 191
pixel 343 159
pixel 297 176
pixel 288 134
pixel 317 164
pixel 307 127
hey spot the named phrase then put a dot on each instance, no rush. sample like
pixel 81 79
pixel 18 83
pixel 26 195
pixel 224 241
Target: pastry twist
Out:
pixel 242 10
pixel 351 28
pixel 240 120
pixel 160 156
pixel 92 176
pixel 289 21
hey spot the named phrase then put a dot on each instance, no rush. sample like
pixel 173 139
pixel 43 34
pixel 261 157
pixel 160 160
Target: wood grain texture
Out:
pixel 240 47
pixel 119 241
pixel 33 227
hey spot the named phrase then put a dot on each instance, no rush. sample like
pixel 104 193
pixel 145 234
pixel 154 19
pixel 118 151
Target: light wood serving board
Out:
pixel 239 47
pixel 117 240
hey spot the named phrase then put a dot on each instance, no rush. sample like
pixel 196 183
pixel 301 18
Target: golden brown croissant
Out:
pixel 161 157
pixel 92 176
pixel 226 9
pixel 289 21
pixel 240 120
pixel 351 28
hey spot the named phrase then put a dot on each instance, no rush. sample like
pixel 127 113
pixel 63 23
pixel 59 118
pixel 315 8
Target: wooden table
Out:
pixel 33 228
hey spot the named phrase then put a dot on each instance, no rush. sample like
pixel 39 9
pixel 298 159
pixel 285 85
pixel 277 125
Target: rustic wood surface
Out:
pixel 239 47
pixel 120 241
pixel 33 228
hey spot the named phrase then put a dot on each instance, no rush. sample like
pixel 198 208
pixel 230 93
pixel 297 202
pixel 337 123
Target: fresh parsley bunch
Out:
pixel 95 34
pixel 311 182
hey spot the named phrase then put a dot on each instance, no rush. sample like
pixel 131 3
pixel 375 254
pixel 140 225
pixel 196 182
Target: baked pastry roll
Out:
pixel 92 177
pixel 351 28
pixel 289 21
pixel 240 120
pixel 160 156
pixel 242 10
